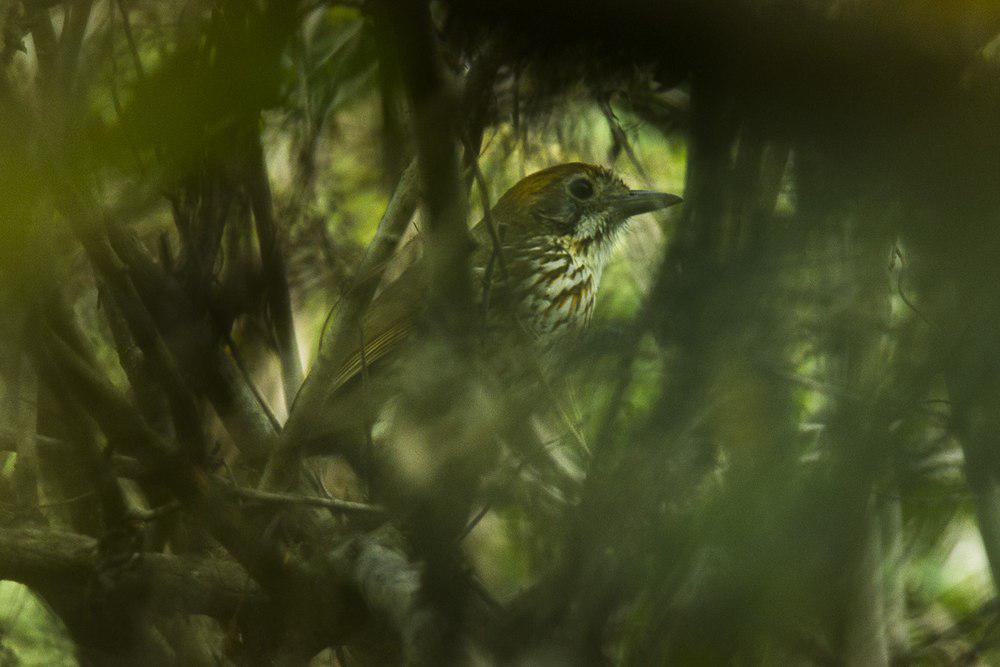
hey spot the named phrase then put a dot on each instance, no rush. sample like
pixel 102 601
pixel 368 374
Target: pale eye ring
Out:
pixel 581 188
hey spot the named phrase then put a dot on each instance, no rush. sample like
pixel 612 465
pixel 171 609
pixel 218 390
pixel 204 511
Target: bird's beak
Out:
pixel 637 202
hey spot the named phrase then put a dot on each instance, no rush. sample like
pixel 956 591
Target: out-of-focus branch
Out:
pixel 203 499
pixel 436 123
pixel 130 39
pixel 140 514
pixel 435 519
pixel 378 576
pixel 184 407
pixel 478 99
pixel 23 400
pixel 71 39
pixel 337 342
pixel 62 567
pixel 245 418
pixel 620 139
pixel 112 411
pixel 98 474
pixel 210 368
pixel 977 427
pixel 276 278
pixel 9 439
pixel 210 364
pixel 336 504
pixel 667 112
pixel 234 351
pixel 148 394
pixel 44 35
pixel 390 587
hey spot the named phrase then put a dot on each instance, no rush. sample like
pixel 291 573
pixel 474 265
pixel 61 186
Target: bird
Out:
pixel 556 229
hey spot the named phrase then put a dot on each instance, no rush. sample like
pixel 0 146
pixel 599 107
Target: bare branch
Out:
pixel 336 504
pixel 276 278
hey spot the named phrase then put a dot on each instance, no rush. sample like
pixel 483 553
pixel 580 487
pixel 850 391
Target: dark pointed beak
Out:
pixel 637 202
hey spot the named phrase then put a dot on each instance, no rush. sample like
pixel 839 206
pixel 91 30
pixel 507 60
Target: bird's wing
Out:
pixel 392 317
pixel 388 322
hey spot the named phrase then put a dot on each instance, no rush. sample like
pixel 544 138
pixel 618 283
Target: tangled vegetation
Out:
pixel 778 441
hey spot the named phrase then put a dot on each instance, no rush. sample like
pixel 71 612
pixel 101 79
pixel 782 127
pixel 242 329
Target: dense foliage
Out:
pixel 777 443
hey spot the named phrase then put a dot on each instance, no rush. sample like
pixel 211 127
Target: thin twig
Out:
pixel 902 292
pixel 619 136
pixel 497 255
pixel 480 515
pixel 146 515
pixel 276 288
pixel 8 440
pixel 67 501
pixel 245 372
pixel 369 454
pixel 346 506
pixel 564 415
pixel 130 38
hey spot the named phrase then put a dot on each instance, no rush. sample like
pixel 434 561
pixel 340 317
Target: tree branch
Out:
pixel 276 278
pixel 62 567
pixel 336 504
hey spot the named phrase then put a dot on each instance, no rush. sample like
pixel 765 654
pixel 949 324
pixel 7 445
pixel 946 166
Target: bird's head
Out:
pixel 583 205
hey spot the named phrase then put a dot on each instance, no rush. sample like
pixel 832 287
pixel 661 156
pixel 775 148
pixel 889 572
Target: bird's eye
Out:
pixel 581 188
